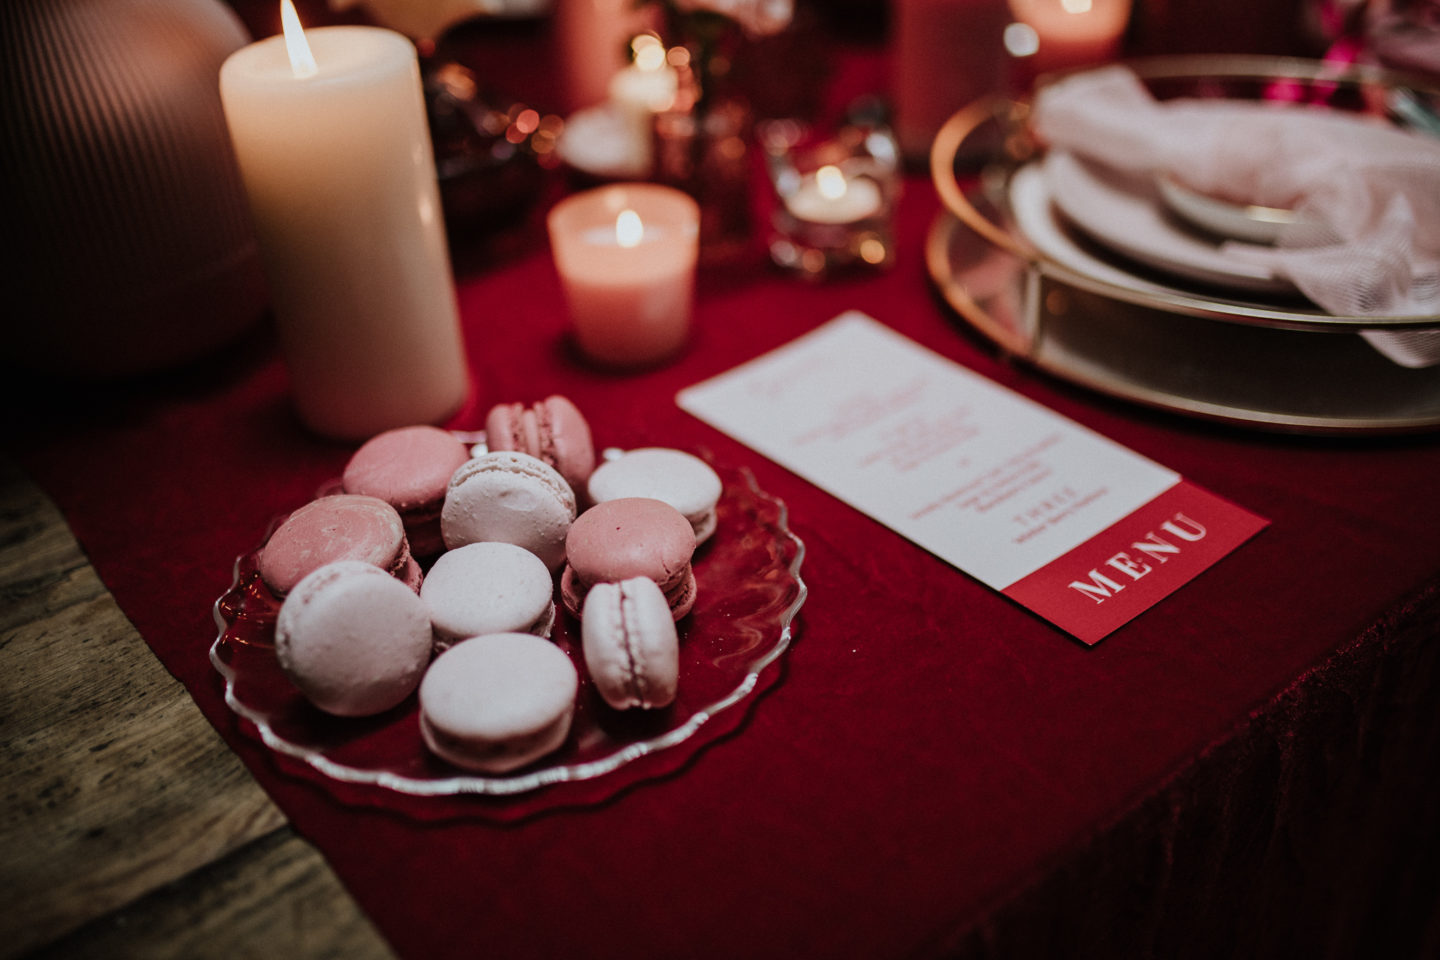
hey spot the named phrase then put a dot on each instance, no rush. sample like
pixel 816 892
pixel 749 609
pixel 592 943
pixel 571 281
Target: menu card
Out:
pixel 1077 528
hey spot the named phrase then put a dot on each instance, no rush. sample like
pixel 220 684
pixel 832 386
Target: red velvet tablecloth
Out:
pixel 1247 768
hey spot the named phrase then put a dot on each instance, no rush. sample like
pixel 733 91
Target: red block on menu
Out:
pixel 1133 564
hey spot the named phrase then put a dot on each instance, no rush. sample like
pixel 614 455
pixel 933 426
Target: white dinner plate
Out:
pixel 1127 216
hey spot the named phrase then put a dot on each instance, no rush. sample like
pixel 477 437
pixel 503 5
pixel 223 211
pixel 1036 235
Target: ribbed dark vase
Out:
pixel 124 221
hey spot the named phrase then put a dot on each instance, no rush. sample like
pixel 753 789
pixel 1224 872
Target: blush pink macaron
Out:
pixel 353 639
pixel 553 430
pixel 632 651
pixel 409 468
pixel 625 538
pixel 340 527
pixel 498 702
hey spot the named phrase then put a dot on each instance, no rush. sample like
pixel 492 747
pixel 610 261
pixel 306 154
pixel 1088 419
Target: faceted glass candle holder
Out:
pixel 834 196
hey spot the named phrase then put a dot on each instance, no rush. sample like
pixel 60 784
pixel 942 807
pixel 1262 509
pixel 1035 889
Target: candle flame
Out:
pixel 649 52
pixel 302 61
pixel 1021 40
pixel 830 182
pixel 628 229
pixel 1076 6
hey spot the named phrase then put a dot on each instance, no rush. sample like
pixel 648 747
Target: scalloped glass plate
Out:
pixel 749 590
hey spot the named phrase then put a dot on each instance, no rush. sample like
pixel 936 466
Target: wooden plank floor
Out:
pixel 127 827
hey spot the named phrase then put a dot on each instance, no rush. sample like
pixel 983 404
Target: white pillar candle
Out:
pixel 626 255
pixel 828 196
pixel 337 164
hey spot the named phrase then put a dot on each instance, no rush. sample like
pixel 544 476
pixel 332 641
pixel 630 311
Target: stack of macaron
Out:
pixel 553 431
pixel 628 578
pixel 630 537
pixel 410 469
pixel 361 627
pixel 681 479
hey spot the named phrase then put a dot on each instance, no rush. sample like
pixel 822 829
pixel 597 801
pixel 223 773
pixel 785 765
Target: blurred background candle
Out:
pixel 826 196
pixel 835 194
pixel 1065 34
pixel 337 163
pixel 644 88
pixel 626 255
pixel 649 84
pixel 592 37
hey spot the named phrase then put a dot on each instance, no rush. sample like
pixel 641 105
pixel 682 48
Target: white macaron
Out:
pixel 632 650
pixel 681 479
pixel 510 497
pixel 488 587
pixel 496 703
pixel 353 639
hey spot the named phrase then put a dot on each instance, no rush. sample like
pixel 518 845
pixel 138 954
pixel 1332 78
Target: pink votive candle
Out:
pixel 626 255
pixel 1069 34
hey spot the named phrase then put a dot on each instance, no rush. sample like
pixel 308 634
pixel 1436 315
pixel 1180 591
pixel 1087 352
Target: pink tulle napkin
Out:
pixel 1366 195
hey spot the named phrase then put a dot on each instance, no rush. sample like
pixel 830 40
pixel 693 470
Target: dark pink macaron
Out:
pixel 409 468
pixel 553 430
pixel 625 538
pixel 342 527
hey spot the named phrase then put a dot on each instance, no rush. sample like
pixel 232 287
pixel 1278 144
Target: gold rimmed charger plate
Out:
pixel 1274 364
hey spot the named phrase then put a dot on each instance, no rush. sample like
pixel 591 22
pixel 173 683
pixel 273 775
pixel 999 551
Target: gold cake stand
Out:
pixel 1276 365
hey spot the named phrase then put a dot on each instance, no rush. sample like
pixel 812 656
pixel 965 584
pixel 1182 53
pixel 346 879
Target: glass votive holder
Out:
pixel 626 254
pixel 834 196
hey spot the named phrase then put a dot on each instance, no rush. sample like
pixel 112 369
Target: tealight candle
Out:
pixel 644 88
pixel 626 256
pixel 601 142
pixel 649 84
pixel 827 196
pixel 334 151
pixel 835 195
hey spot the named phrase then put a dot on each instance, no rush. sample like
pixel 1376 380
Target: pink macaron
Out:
pixel 632 651
pixel 510 497
pixel 354 640
pixel 409 468
pixel 552 430
pixel 341 527
pixel 488 587
pixel 625 538
pixel 495 703
pixel 681 479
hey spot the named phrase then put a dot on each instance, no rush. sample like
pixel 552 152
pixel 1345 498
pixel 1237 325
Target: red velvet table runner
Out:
pixel 928 760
